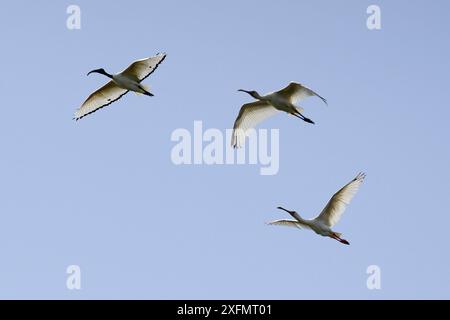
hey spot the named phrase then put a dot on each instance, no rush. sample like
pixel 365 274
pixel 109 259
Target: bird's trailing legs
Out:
pixel 336 237
pixel 144 89
pixel 300 116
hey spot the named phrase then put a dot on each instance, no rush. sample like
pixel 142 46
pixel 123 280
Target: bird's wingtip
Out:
pixel 76 116
pixel 361 176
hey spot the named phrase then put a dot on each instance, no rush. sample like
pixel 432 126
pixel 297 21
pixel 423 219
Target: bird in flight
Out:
pixel 329 216
pixel 251 114
pixel 128 80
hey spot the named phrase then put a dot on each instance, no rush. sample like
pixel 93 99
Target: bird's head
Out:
pixel 253 93
pixel 101 71
pixel 288 211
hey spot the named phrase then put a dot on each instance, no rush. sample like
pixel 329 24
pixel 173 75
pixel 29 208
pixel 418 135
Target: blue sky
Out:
pixel 103 193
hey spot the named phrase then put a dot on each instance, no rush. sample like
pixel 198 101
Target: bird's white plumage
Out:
pixel 102 97
pixel 330 215
pixel 141 69
pixel 296 92
pixel 333 211
pixel 128 80
pixel 249 116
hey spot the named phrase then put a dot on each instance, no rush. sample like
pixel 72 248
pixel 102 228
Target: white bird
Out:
pixel 128 80
pixel 329 216
pixel 268 105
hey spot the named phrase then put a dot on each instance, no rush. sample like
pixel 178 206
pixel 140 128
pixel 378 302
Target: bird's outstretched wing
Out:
pixel 286 223
pixel 296 92
pixel 249 116
pixel 141 69
pixel 103 97
pixel 333 211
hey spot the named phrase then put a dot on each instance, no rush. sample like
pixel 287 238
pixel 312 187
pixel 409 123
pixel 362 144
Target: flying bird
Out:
pixel 128 80
pixel 286 99
pixel 329 216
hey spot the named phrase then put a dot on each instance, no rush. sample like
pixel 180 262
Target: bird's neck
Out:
pixel 300 219
pixel 257 96
pixel 106 74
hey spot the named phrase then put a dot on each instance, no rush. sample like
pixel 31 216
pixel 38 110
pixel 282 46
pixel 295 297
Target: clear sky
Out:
pixel 102 193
